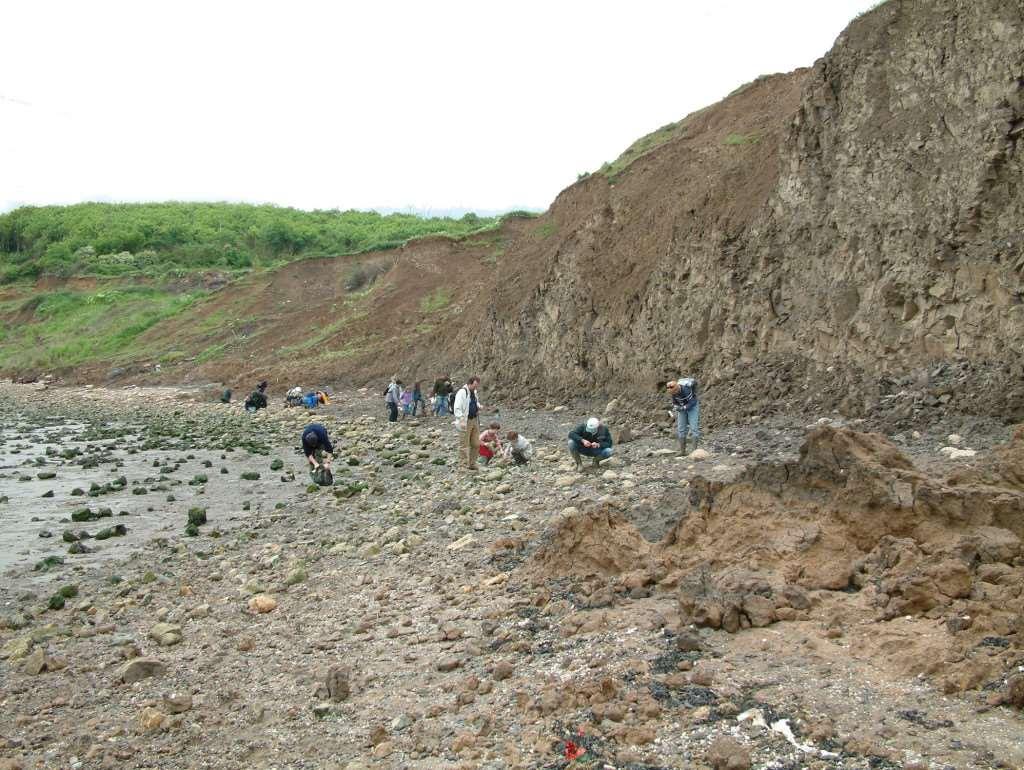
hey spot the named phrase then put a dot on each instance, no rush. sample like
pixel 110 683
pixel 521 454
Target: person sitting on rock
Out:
pixel 686 409
pixel 319 451
pixel 490 443
pixel 257 399
pixel 518 449
pixel 590 438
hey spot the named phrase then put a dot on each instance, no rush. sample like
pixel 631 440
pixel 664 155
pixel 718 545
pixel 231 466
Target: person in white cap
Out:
pixel 592 439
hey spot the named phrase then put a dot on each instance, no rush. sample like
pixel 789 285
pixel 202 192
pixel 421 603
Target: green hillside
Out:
pixel 143 263
pixel 157 239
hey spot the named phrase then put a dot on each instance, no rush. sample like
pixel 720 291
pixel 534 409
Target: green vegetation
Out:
pixel 67 328
pixel 436 300
pixel 157 239
pixel 641 147
pixel 734 140
pixel 148 262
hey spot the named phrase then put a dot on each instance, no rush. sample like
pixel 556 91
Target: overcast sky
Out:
pixel 432 105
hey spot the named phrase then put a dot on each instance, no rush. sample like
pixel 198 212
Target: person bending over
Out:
pixel 319 451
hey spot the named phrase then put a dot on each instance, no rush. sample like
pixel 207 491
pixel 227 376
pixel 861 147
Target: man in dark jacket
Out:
pixel 319 450
pixel 257 399
pixel 590 438
pixel 442 390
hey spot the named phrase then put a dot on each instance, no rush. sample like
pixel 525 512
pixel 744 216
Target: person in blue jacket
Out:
pixel 686 408
pixel 590 438
pixel 319 450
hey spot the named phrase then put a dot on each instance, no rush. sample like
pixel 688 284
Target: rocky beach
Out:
pixel 799 593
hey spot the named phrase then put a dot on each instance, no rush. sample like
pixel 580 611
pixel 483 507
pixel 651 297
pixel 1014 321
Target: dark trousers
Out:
pixel 392 412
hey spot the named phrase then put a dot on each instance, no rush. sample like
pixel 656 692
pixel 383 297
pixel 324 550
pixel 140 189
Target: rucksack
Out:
pixel 451 401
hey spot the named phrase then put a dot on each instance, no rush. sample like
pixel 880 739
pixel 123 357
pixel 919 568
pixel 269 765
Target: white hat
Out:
pixel 593 424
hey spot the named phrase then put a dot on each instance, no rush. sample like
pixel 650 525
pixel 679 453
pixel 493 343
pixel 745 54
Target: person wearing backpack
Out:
pixel 392 398
pixel 686 408
pixel 467 420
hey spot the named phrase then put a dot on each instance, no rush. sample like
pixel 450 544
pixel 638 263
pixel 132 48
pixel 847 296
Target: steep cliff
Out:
pixel 844 236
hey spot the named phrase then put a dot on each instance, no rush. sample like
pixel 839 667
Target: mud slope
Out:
pixel 825 238
pixel 851 535
pixel 304 324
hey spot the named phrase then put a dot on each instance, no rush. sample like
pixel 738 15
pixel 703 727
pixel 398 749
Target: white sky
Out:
pixel 396 104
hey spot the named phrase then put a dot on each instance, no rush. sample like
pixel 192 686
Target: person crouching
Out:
pixel 490 443
pixel 592 439
pixel 519 448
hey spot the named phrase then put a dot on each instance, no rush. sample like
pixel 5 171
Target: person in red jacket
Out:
pixel 490 442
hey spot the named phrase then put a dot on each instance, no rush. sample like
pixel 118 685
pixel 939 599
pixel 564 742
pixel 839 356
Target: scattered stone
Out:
pixel 35 662
pixel 461 543
pixel 447 664
pixel 165 634
pixel 262 603
pixel 177 703
pixel 1015 691
pixel 728 754
pixel 502 670
pixel 337 684
pixel 151 720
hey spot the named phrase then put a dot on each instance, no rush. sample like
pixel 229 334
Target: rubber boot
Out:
pixel 597 462
pixel 578 460
pixel 696 443
pixel 682 446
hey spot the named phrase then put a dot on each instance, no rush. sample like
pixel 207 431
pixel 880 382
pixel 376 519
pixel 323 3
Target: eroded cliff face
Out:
pixel 830 237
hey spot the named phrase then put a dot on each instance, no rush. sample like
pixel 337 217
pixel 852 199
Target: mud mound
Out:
pixel 852 535
pixel 599 541
pixel 1004 467
pixel 814 520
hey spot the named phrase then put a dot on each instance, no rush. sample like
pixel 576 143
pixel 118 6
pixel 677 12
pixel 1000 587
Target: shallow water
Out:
pixel 24 447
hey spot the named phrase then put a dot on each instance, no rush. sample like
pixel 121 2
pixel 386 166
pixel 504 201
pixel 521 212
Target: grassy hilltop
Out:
pixel 80 283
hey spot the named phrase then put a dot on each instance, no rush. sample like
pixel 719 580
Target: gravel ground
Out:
pixel 394 621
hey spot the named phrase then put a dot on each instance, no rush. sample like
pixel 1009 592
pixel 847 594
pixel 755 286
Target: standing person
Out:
pixel 319 451
pixel 687 411
pixel 392 397
pixel 442 389
pixel 519 448
pixel 406 402
pixel 467 420
pixel 490 443
pixel 590 438
pixel 417 398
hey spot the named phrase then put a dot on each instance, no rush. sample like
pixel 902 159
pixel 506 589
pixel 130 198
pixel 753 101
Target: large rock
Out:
pixel 728 754
pixel 165 634
pixel 141 668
